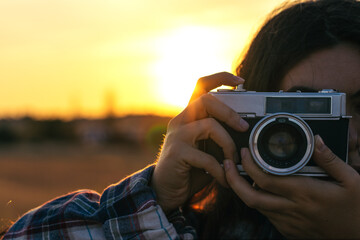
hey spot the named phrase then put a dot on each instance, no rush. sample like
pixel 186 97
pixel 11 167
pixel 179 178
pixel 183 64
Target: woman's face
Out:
pixel 336 68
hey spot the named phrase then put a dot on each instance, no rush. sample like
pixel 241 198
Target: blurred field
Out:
pixel 31 174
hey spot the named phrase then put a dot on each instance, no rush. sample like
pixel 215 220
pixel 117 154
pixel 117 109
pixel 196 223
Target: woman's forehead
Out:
pixel 336 68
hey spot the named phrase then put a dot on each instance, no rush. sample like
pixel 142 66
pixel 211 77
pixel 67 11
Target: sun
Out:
pixel 186 54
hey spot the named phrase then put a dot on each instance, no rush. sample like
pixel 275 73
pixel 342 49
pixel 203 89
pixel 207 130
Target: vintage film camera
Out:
pixel 283 126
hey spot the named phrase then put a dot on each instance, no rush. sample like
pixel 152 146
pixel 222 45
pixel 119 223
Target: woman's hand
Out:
pixel 304 207
pixel 180 170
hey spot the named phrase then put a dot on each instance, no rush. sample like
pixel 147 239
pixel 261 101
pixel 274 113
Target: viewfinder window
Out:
pixel 301 105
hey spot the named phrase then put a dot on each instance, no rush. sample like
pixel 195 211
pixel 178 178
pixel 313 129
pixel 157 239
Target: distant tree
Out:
pixel 7 135
pixel 56 129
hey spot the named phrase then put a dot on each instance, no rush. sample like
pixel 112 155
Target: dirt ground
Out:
pixel 33 174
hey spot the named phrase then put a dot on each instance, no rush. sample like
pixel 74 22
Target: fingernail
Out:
pixel 243 124
pixel 226 164
pixel 319 143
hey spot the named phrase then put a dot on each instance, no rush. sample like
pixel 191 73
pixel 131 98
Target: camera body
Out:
pixel 283 126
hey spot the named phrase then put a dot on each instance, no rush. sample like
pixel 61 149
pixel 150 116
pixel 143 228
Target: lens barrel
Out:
pixel 281 143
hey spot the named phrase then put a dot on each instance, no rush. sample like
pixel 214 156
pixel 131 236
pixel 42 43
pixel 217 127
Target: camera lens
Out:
pixel 281 143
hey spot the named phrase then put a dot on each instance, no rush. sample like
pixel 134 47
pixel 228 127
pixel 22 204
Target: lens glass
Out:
pixel 282 144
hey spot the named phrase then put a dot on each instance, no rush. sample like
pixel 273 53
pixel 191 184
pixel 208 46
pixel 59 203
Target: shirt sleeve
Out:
pixel 126 210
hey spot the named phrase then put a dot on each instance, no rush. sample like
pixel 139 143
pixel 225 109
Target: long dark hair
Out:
pixel 290 34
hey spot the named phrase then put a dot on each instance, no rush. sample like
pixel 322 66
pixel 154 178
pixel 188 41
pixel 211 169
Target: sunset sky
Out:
pixel 75 58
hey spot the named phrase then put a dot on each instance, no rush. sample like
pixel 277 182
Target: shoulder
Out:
pixel 86 210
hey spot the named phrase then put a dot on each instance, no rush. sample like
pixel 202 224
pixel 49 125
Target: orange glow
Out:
pixel 205 198
pixel 61 58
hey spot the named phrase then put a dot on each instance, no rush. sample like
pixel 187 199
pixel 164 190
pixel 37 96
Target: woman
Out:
pixel 312 45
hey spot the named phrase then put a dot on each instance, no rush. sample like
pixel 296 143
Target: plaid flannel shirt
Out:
pixel 126 210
